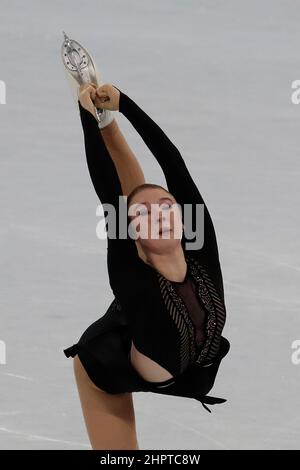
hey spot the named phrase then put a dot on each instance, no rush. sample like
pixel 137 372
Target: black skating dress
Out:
pixel 177 324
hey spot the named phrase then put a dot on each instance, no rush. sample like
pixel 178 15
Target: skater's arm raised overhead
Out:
pixel 106 182
pixel 179 180
pixel 102 170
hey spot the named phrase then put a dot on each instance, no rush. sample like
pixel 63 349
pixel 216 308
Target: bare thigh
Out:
pixel 109 418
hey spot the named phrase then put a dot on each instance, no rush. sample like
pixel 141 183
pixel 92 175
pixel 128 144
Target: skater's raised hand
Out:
pixel 87 96
pixel 109 97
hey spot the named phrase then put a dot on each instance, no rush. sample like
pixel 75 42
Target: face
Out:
pixel 155 220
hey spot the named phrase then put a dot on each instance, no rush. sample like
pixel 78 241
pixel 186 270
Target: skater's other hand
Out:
pixel 109 97
pixel 87 95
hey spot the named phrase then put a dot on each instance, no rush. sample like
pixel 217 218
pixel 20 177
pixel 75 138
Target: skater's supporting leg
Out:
pixel 109 418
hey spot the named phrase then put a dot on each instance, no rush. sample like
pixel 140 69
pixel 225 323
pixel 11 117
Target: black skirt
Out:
pixel 104 350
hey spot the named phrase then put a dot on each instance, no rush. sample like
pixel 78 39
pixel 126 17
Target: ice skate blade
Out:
pixel 79 65
pixel 80 68
pixel 79 62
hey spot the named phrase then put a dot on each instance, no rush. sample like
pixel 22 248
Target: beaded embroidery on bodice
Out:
pixel 199 331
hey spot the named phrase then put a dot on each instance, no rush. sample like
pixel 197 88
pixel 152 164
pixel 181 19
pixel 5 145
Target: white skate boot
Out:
pixel 80 68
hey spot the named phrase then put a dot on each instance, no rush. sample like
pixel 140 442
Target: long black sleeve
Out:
pixel 107 185
pixel 101 167
pixel 179 180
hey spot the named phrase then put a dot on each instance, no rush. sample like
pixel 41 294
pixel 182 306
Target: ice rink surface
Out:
pixel 216 76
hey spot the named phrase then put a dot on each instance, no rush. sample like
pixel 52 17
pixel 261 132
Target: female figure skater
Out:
pixel 162 332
